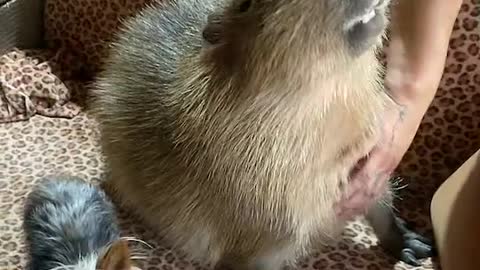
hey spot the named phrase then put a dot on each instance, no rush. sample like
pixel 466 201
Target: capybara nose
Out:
pixel 365 23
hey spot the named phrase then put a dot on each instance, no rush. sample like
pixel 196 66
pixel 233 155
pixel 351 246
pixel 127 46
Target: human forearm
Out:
pixel 421 31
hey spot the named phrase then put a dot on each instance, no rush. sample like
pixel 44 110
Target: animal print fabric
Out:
pixel 28 87
pixel 87 27
pixel 79 32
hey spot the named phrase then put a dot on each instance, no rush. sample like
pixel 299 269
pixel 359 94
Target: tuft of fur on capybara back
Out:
pixel 231 126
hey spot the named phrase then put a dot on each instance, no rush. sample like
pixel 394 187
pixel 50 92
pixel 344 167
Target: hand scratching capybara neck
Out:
pixel 231 126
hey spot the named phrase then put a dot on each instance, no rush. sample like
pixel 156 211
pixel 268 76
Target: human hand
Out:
pixel 369 179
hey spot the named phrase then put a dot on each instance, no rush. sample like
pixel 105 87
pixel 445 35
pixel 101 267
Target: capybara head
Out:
pixel 265 40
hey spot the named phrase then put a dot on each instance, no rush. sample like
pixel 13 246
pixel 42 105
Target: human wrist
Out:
pixel 413 107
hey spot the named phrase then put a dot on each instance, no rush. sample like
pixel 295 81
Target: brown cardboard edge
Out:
pixel 21 24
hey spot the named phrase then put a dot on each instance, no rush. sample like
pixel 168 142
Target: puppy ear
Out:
pixel 117 257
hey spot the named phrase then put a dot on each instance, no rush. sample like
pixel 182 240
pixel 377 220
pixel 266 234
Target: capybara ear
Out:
pixel 213 32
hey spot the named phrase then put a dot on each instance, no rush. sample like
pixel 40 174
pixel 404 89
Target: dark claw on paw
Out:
pixel 408 256
pixel 415 246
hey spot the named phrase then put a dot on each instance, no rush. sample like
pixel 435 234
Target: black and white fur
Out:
pixel 68 224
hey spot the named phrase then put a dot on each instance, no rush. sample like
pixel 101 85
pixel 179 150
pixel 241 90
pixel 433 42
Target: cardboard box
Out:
pixel 21 24
pixel 455 212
